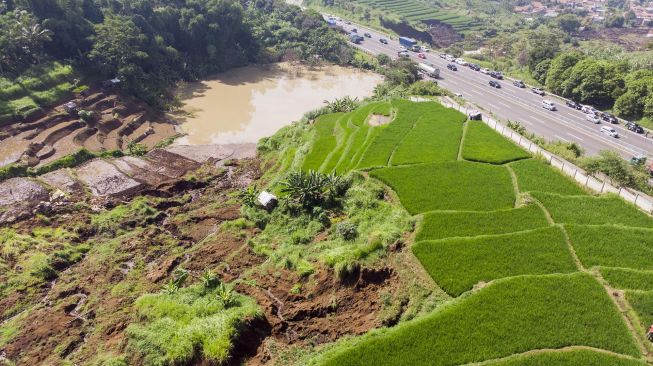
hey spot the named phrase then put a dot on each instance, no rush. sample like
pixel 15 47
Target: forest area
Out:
pixel 151 44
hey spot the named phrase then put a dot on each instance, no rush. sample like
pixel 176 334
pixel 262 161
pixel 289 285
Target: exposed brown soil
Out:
pixel 632 39
pixel 56 132
pixel 378 120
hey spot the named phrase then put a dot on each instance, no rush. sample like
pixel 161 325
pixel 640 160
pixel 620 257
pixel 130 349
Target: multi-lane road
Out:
pixel 518 104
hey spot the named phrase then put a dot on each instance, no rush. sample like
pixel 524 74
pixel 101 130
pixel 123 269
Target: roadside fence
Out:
pixel 639 199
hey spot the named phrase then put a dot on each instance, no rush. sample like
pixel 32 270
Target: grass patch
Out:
pixel 458 264
pixel 642 303
pixel 456 185
pixel 583 357
pixel 485 145
pixel 613 246
pixel 435 137
pixel 588 210
pixel 511 316
pixel 440 225
pixel 380 150
pixel 535 175
pixel 628 279
pixel 325 141
pixel 175 328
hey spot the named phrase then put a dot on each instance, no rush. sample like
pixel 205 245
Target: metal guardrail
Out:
pixel 639 199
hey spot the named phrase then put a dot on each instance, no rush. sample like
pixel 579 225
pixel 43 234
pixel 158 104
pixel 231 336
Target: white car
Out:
pixel 547 104
pixel 609 131
pixel 588 110
pixel 425 49
pixel 459 95
pixel 485 71
pixel 402 48
pixel 461 62
pixel 449 58
pixel 592 118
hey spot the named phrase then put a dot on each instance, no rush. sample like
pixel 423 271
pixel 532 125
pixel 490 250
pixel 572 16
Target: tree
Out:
pixel 614 21
pixel 541 71
pixel 568 23
pixel 559 70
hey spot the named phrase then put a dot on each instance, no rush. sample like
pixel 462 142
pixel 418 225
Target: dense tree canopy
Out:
pixel 150 44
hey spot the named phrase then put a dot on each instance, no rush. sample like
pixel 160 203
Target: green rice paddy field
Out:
pixel 528 257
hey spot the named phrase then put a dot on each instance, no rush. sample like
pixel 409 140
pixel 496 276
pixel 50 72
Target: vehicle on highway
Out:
pixel 547 104
pixel 429 70
pixel 449 58
pixel 443 56
pixel 485 71
pixel 383 40
pixel 421 55
pixel 408 42
pixel 589 110
pixel 607 130
pixel 461 62
pixel 367 35
pixel 538 91
pixel 355 38
pixel 572 104
pixel 634 127
pixel 402 48
pixel 452 67
pixel 519 84
pixel 348 22
pixel 592 118
pixel 497 74
pixel 608 117
pixel 475 67
pixel 495 84
pixel 354 30
pixel 403 54
pixel 459 95
pixel 425 49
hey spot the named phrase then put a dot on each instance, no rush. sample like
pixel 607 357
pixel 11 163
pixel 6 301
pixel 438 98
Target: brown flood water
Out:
pixel 245 104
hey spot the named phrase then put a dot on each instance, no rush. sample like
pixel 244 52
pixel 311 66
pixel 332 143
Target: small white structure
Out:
pixel 267 200
pixel 70 107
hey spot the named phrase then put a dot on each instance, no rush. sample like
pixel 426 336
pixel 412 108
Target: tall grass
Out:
pixel 642 303
pixel 511 316
pixel 439 225
pixel 457 264
pixel 324 143
pixel 483 144
pixel 584 357
pixel 456 185
pixel 628 279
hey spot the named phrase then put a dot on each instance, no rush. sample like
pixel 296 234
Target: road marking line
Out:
pixel 562 138
pixel 574 136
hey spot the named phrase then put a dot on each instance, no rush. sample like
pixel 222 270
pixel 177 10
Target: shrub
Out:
pixel 314 188
pixel 347 230
pixel 457 264
pixel 423 87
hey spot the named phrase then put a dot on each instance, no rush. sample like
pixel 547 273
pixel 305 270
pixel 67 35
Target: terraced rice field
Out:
pixel 417 11
pixel 528 257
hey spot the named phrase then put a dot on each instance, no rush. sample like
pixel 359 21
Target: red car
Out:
pixel 421 55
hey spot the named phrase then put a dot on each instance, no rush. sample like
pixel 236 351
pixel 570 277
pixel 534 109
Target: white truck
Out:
pixel 429 70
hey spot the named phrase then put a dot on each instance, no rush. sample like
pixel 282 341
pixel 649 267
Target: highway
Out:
pixel 518 104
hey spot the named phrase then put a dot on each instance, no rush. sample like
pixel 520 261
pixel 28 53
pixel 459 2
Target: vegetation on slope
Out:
pixel 628 279
pixel 485 145
pixel 613 246
pixel 526 313
pixel 535 175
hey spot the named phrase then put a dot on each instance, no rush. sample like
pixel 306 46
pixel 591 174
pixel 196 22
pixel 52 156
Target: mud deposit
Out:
pixel 116 121
pixel 245 104
pixel 80 311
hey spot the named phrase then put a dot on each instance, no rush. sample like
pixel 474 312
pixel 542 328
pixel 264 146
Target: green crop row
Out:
pixel 613 246
pixel 456 185
pixel 628 279
pixel 583 357
pixel 457 264
pixel 589 210
pixel 444 224
pixel 511 316
pixel 535 175
pixel 483 144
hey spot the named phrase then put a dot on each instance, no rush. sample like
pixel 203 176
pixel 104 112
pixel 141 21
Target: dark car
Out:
pixel 496 74
pixel 354 30
pixel 452 67
pixel 609 118
pixel 634 127
pixel 572 104
pixel 495 84
pixel 367 35
pixel 383 40
pixel 475 67
pixel 519 84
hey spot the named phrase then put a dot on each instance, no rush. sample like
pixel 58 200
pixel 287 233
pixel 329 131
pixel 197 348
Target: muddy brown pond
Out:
pixel 245 104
